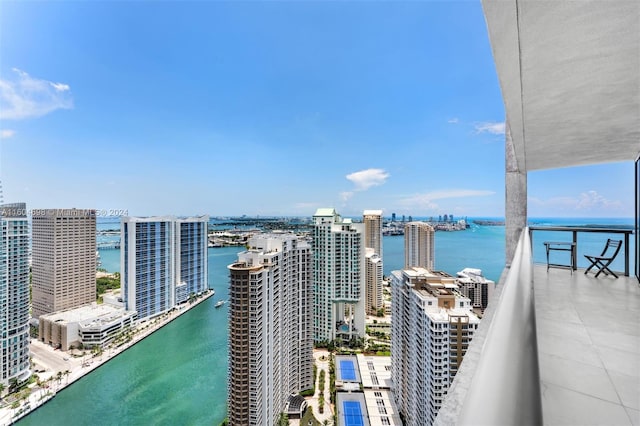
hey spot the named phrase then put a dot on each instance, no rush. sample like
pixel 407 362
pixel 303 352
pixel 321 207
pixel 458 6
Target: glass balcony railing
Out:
pixel 588 240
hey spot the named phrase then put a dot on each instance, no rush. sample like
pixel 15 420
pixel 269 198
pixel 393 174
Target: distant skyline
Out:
pixel 269 108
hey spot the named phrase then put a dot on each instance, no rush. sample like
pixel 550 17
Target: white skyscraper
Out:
pixel 431 329
pixel 14 293
pixel 163 261
pixel 373 278
pixel 374 265
pixel 476 287
pixel 270 328
pixel 419 245
pixel 338 277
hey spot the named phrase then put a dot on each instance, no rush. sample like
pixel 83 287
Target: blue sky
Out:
pixel 266 108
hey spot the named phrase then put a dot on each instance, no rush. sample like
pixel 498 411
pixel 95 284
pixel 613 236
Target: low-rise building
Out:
pixel 91 325
pixel 363 385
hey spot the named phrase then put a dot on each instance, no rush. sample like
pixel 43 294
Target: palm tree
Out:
pixel 283 420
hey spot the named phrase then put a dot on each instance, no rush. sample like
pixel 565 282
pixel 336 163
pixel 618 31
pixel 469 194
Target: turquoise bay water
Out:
pixel 178 376
pixel 480 247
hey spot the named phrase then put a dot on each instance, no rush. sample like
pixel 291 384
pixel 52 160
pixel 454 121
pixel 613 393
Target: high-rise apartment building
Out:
pixel 14 293
pixel 63 259
pixel 338 277
pixel 374 266
pixel 373 230
pixel 191 257
pixel 270 328
pixel 431 329
pixel 373 278
pixel 419 245
pixel 163 262
pixel 476 287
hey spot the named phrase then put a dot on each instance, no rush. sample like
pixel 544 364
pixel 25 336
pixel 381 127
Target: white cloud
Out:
pixel 60 87
pixel 365 179
pixel 28 97
pixel 453 120
pixel 426 200
pixel 590 201
pixel 6 133
pixel 490 127
pixel 346 195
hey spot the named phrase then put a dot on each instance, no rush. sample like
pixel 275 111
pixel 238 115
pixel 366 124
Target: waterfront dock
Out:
pixel 59 369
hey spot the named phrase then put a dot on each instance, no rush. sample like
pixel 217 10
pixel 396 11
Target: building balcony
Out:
pixel 574 360
pixel 557 346
pixel 588 332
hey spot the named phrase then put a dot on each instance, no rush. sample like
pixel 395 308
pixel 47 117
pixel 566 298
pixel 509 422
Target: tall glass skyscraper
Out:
pixel 14 293
pixel 191 257
pixel 163 262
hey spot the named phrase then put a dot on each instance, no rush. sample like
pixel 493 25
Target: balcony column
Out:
pixel 515 198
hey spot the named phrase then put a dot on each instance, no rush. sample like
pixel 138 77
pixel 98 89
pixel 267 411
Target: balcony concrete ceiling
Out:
pixel 570 78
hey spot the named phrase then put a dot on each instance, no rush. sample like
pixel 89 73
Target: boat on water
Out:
pixel 220 303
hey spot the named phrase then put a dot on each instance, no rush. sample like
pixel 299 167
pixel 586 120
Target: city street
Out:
pixel 46 358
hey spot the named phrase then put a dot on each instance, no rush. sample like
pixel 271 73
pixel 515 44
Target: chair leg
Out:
pixel 590 267
pixel 604 267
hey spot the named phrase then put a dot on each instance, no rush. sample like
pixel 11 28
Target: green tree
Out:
pixel 106 283
pixel 283 420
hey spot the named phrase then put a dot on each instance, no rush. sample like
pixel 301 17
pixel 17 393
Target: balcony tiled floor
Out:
pixel 589 347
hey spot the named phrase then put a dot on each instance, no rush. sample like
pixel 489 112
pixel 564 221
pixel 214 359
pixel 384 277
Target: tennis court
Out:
pixel 352 413
pixel 347 370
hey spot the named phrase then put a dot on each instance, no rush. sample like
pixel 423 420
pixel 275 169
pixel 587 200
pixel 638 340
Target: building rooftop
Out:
pixel 375 371
pixel 86 313
pixel 325 212
pixel 380 405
